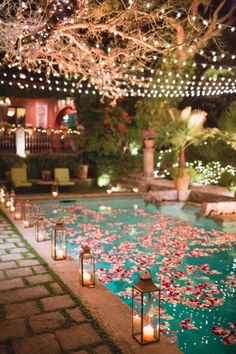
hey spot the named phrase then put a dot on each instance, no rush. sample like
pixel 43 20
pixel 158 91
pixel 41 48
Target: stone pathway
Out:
pixel 38 314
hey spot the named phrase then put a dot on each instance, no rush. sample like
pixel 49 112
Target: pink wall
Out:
pixel 30 105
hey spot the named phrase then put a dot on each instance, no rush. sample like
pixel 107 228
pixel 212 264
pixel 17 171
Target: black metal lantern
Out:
pixel 27 213
pixel 86 268
pixel 146 310
pixel 40 230
pixel 59 242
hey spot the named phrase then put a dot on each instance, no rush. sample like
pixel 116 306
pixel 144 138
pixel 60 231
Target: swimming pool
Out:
pixel 191 259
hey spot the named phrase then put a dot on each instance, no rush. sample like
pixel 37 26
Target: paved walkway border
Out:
pixel 86 317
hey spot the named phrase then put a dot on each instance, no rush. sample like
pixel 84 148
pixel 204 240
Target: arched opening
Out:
pixel 66 117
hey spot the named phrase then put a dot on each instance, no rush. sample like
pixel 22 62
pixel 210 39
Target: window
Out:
pixel 16 115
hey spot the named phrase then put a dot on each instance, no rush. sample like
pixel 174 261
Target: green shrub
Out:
pixel 226 179
pixel 37 163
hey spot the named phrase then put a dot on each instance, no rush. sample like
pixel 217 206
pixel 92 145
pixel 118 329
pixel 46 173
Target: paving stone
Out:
pixel 2 251
pixel 9 231
pixel 28 262
pixel 23 309
pixel 3 349
pixel 39 269
pixel 46 321
pixel 23 294
pixel 2 275
pixel 102 349
pixel 19 272
pixel 29 255
pixel 80 352
pixel 18 250
pixel 7 265
pixel 7 245
pixel 11 257
pixel 57 288
pixel 75 337
pixel 11 284
pixel 13 239
pixel 57 302
pixel 39 279
pixel 76 314
pixel 11 329
pixel 42 344
pixel 20 244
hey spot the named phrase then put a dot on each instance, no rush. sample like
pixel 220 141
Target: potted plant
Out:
pixel 185 128
pixel 46 167
pixel 182 176
pixel 149 135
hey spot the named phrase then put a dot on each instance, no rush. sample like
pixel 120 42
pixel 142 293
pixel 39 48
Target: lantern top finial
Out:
pixel 86 249
pixel 59 225
pixel 145 283
pixel 146 275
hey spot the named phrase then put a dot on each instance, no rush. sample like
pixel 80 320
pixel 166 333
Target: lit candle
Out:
pixel 40 237
pixel 2 200
pixel 54 194
pixel 54 211
pixel 135 190
pixel 12 209
pixel 109 191
pixel 8 204
pixel 135 206
pixel 157 330
pixel 136 322
pixel 25 223
pixel 59 254
pixel 17 216
pixel 86 278
pixel 148 333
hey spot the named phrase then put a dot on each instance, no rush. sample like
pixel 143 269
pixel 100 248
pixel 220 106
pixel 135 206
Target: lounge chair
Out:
pixel 62 177
pixel 19 177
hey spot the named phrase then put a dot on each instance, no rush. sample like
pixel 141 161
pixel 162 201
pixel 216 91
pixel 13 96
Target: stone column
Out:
pixel 20 142
pixel 148 162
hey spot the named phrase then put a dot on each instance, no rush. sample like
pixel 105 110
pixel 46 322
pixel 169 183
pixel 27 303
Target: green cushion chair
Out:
pixel 62 177
pixel 19 177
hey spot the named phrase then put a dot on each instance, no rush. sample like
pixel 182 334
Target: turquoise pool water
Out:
pixel 193 260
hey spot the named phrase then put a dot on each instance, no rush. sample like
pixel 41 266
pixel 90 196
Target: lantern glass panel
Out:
pixel 59 251
pixel 146 315
pixel 19 210
pixel 27 213
pixel 55 190
pixel 87 269
pixel 40 230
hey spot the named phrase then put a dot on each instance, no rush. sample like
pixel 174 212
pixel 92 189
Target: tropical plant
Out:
pixel 185 128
